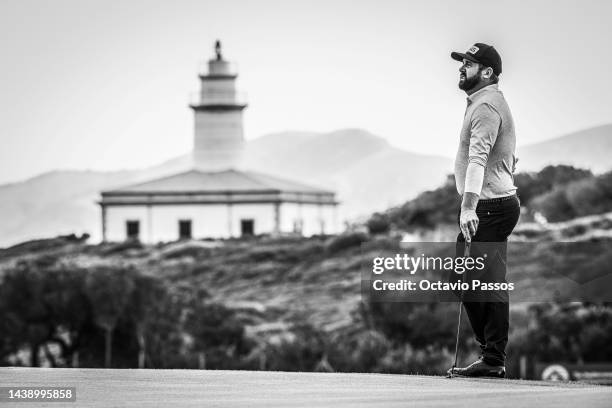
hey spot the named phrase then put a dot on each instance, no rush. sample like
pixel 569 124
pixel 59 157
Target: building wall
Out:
pixel 314 218
pixel 218 139
pixel 222 90
pixel 206 221
pixel 160 223
pixel 116 218
pixel 262 214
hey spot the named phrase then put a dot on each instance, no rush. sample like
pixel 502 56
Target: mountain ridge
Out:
pixel 366 171
pixel 589 148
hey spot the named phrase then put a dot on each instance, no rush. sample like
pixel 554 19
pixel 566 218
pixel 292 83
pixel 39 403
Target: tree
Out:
pixel 25 313
pixel 214 327
pixel 145 305
pixel 42 303
pixel 68 308
pixel 109 290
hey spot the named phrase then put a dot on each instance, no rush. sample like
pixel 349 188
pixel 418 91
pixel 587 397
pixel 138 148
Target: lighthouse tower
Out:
pixel 215 197
pixel 218 131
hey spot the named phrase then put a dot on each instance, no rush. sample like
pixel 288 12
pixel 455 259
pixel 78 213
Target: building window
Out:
pixel 298 225
pixel 184 229
pixel 247 227
pixel 132 230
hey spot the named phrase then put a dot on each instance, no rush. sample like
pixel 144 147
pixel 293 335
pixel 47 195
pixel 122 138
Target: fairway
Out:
pixel 193 388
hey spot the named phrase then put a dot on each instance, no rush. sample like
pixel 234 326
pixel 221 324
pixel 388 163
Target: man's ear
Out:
pixel 487 72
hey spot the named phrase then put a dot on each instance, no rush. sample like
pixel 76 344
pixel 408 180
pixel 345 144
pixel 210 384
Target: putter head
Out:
pixel 450 372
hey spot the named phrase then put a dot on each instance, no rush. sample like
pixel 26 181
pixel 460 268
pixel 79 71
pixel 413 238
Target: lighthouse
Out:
pixel 214 197
pixel 218 113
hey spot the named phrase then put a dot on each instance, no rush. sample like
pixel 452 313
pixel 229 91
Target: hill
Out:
pixel 298 300
pixel 366 172
pixel 589 149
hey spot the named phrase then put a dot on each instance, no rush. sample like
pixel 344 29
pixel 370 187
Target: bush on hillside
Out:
pixel 359 351
pixel 574 332
pixel 429 209
pixel 579 198
pixel 378 224
pixel 122 247
pixel 302 352
pixel 531 185
pixel 405 359
pixel 345 241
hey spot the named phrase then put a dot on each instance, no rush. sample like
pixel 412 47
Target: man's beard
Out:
pixel 469 83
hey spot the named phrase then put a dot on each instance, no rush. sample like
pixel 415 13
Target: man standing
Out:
pixel 484 168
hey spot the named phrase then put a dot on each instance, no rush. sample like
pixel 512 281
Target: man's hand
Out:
pixel 468 222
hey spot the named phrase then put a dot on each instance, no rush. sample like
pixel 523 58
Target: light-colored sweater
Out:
pixel 487 139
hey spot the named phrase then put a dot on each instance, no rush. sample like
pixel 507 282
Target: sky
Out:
pixel 105 85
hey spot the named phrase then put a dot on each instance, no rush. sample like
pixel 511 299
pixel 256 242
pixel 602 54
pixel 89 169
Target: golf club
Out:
pixel 466 254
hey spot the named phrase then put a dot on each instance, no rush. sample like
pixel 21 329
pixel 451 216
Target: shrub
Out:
pixel 345 241
pixel 531 185
pixel 405 359
pixel 554 205
pixel 428 209
pixel 302 352
pixel 186 251
pixel 378 224
pixel 591 195
pixel 122 247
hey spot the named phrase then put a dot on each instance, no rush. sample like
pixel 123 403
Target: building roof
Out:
pixel 217 187
pixel 226 181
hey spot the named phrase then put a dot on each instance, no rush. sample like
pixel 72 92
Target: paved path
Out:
pixel 193 388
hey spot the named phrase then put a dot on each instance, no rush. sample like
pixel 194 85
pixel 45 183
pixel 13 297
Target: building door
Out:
pixel 132 230
pixel 184 229
pixel 247 227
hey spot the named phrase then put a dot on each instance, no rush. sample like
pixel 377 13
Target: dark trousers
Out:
pixel 490 318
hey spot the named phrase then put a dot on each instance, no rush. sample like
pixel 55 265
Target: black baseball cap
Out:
pixel 483 54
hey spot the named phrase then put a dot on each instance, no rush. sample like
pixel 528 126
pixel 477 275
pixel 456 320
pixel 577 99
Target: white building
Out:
pixel 216 198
